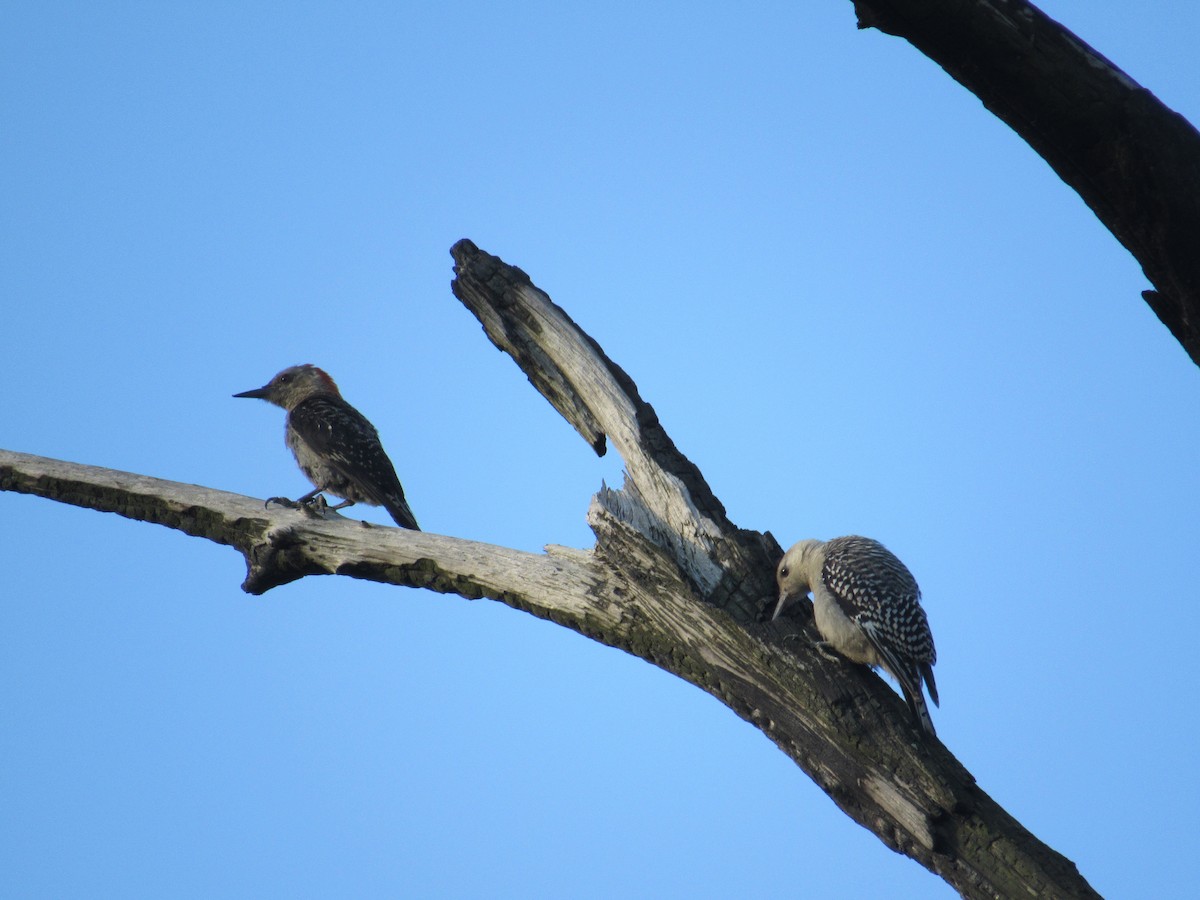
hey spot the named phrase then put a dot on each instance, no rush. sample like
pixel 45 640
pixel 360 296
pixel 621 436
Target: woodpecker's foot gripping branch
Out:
pixel 317 507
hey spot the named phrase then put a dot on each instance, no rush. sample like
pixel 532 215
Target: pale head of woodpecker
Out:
pixel 795 573
pixel 294 385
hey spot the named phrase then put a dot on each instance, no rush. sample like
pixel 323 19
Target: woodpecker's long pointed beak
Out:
pixel 257 393
pixel 784 597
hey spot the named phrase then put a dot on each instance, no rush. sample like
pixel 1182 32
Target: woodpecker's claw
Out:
pixel 825 648
pixel 313 506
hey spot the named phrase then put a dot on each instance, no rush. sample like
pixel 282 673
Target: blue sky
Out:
pixel 858 302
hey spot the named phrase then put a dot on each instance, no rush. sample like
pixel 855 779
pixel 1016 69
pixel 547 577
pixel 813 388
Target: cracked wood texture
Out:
pixel 1134 162
pixel 670 580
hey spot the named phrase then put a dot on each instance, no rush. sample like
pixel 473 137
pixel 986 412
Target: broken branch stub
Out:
pixel 665 497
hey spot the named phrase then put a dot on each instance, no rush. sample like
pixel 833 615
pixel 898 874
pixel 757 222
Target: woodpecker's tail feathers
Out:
pixel 930 684
pixel 401 514
pixel 916 703
pixel 908 674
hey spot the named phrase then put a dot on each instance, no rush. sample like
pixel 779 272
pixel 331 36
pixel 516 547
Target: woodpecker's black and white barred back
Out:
pixel 867 607
pixel 337 449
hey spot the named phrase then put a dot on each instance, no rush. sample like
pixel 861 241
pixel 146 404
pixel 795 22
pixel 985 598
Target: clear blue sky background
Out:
pixel 858 302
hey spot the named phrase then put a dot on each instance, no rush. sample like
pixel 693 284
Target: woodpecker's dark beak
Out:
pixel 785 600
pixel 257 393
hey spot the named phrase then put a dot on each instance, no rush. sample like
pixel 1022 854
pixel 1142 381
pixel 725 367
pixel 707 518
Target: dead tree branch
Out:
pixel 670 580
pixel 1134 162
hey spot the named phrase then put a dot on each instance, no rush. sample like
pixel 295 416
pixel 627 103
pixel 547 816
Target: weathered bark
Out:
pixel 1135 162
pixel 670 580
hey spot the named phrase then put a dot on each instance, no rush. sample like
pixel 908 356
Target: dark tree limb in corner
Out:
pixel 1135 162
pixel 670 580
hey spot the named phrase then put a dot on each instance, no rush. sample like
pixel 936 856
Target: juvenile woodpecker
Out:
pixel 337 449
pixel 867 607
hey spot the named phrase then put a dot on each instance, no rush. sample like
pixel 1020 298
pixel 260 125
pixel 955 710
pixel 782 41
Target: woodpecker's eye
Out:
pixel 284 379
pixel 783 573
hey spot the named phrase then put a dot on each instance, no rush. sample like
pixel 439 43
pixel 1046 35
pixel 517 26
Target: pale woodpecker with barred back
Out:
pixel 867 607
pixel 337 449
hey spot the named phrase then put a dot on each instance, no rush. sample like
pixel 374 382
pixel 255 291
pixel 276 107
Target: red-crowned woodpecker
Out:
pixel 337 449
pixel 867 607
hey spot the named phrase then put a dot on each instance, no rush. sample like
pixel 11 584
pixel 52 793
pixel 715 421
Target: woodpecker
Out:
pixel 867 607
pixel 337 449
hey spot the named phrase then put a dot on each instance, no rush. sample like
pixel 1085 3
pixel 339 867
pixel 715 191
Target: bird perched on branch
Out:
pixel 867 607
pixel 335 446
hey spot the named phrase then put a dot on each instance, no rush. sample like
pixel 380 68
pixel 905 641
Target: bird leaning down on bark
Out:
pixel 337 449
pixel 867 607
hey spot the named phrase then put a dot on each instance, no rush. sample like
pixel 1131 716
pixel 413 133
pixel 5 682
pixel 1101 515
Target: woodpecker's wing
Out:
pixel 876 590
pixel 349 443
